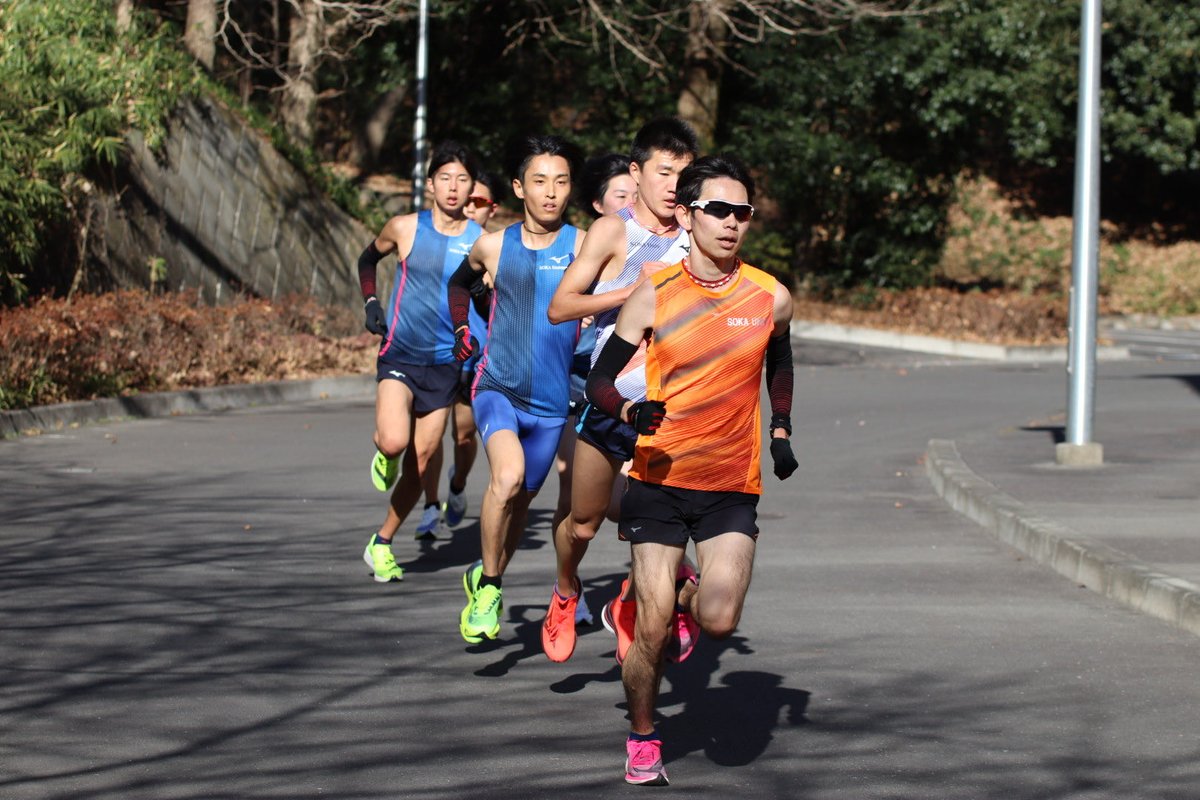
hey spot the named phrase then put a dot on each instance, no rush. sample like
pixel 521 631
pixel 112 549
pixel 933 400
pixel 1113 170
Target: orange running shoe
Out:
pixel 558 629
pixel 619 617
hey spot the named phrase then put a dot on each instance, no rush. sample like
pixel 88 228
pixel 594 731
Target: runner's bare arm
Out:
pixel 782 311
pixel 397 235
pixel 602 248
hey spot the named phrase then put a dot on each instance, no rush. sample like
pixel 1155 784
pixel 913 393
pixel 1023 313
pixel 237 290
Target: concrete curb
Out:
pixel 165 404
pixel 1103 569
pixel 898 340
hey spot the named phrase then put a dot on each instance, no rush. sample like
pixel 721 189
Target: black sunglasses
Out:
pixel 720 209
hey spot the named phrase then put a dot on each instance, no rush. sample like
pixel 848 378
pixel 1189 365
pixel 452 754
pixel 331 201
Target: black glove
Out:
pixel 465 344
pixel 785 462
pixel 646 416
pixel 376 319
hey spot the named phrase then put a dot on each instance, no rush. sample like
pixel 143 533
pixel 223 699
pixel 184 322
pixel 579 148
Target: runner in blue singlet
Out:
pixel 521 395
pixel 416 370
pixel 481 207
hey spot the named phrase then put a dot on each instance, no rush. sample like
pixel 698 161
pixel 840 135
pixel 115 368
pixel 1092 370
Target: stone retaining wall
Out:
pixel 219 210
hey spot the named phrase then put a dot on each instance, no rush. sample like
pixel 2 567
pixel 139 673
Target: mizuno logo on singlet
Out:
pixel 560 262
pixel 397 373
pixel 460 250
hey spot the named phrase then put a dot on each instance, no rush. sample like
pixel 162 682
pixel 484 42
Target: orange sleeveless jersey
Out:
pixel 705 361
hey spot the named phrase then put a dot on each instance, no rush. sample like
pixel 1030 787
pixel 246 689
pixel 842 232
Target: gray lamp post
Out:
pixel 418 172
pixel 1079 449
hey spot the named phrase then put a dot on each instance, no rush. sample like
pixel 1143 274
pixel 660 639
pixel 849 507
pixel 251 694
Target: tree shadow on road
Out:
pixel 526 621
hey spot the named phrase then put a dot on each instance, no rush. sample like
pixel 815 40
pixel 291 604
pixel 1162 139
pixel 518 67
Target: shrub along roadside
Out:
pixel 127 342
pixel 72 86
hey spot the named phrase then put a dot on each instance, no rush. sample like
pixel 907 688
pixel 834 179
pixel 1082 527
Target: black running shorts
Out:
pixel 613 437
pixel 652 512
pixel 433 387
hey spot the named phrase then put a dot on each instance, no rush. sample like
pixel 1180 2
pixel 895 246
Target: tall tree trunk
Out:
pixel 369 140
pixel 200 30
pixel 124 15
pixel 703 67
pixel 298 105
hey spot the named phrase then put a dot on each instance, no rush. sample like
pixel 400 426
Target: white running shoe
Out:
pixel 427 528
pixel 583 614
pixel 456 504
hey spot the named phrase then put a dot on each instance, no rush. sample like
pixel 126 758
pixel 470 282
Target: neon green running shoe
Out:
pixel 481 617
pixel 378 556
pixel 384 471
pixel 471 579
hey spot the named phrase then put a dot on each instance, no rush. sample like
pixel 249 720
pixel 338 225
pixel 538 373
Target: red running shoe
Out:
pixel 558 629
pixel 619 617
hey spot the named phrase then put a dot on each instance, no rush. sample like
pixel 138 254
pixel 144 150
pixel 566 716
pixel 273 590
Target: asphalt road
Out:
pixel 185 614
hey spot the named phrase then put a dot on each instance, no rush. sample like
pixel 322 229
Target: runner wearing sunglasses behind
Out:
pixel 711 322
pixel 481 207
pixel 619 251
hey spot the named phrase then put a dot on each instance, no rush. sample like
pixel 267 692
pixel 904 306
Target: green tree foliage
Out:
pixel 72 87
pixel 493 75
pixel 859 135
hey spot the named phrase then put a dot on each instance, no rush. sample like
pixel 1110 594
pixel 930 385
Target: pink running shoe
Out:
pixel 643 763
pixel 685 631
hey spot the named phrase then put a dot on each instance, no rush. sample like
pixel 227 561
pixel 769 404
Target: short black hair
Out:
pixel 448 151
pixel 692 177
pixel 669 134
pixel 491 182
pixel 525 148
pixel 597 173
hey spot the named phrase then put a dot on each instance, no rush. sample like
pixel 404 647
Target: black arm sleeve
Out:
pixel 459 293
pixel 366 269
pixel 779 380
pixel 602 379
pixel 481 297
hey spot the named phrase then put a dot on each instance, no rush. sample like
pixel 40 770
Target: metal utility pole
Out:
pixel 1079 449
pixel 418 172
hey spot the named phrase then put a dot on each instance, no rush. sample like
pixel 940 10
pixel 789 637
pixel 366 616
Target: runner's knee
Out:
pixel 425 454
pixel 583 530
pixel 720 622
pixel 507 482
pixel 390 443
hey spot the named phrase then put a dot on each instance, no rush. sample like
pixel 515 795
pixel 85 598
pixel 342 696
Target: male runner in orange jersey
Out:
pixel 620 250
pixel 711 322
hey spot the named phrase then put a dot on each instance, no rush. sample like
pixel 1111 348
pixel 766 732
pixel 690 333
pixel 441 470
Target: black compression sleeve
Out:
pixel 366 269
pixel 779 380
pixel 481 298
pixel 601 382
pixel 459 292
